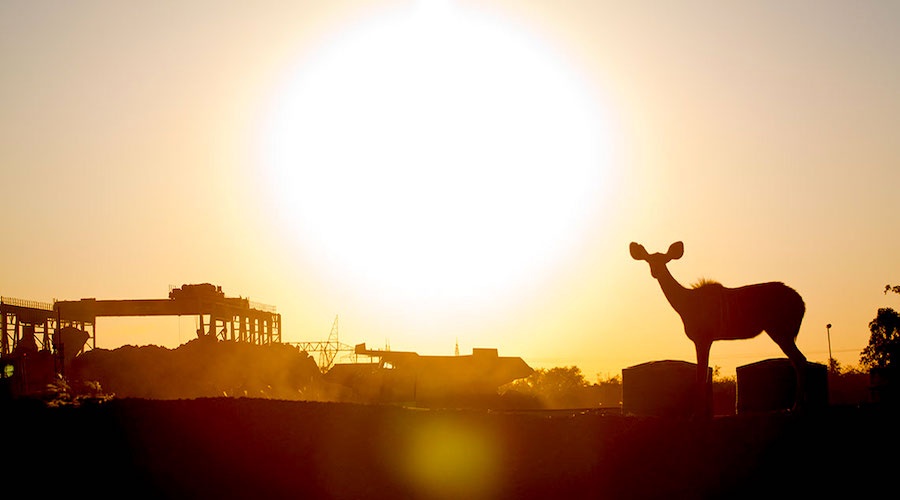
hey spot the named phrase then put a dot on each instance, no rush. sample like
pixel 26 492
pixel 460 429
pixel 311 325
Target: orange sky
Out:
pixel 764 136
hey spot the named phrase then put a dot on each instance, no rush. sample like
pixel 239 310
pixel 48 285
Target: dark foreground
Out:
pixel 251 448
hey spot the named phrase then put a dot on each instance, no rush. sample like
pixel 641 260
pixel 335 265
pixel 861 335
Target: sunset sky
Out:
pixel 434 171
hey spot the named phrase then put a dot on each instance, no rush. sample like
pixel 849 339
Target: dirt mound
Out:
pixel 200 368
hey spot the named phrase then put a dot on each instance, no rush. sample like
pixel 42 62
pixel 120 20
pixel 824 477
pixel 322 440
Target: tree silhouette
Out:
pixel 558 387
pixel 560 380
pixel 609 390
pixel 834 366
pixel 884 342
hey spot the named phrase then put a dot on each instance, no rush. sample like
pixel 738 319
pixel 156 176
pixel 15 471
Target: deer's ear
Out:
pixel 638 252
pixel 676 250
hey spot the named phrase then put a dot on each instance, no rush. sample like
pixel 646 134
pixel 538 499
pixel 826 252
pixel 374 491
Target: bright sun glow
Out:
pixel 436 155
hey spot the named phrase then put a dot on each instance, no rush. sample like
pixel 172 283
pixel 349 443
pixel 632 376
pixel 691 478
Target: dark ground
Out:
pixel 255 448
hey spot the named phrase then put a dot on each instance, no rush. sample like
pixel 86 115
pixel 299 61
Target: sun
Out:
pixel 435 156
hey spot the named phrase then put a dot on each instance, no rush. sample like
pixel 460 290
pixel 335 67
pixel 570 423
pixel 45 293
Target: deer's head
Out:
pixel 657 260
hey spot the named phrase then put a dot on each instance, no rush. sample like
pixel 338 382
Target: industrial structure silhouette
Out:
pixel 42 341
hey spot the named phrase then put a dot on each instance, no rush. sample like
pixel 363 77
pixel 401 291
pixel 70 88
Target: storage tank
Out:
pixel 771 384
pixel 662 388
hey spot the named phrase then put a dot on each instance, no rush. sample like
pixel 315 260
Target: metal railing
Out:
pixel 31 304
pixel 262 307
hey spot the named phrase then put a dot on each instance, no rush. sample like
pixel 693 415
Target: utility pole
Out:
pixel 828 331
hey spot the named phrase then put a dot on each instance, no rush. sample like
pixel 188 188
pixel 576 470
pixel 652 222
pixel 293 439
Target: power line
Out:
pixel 756 355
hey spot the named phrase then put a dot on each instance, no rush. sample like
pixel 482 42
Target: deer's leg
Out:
pixel 701 407
pixel 799 361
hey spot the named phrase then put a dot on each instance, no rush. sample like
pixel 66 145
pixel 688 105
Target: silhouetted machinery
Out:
pixel 220 317
pixel 34 364
pixel 408 376
pixel 37 339
pixel 206 291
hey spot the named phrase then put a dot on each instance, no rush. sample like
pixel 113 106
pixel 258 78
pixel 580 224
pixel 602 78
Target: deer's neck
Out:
pixel 676 294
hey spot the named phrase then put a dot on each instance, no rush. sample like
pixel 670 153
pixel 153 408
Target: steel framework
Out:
pixel 220 317
pixel 327 350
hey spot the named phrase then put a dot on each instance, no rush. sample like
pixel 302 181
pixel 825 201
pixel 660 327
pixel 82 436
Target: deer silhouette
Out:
pixel 712 312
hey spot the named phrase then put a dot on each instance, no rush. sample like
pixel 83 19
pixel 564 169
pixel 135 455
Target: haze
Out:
pixel 137 152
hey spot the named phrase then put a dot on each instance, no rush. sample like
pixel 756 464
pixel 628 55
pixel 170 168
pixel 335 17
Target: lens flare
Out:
pixel 447 459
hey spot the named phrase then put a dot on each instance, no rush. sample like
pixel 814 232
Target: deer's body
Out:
pixel 713 312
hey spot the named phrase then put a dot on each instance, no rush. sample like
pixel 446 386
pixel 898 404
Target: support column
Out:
pixel 46 341
pixel 4 341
